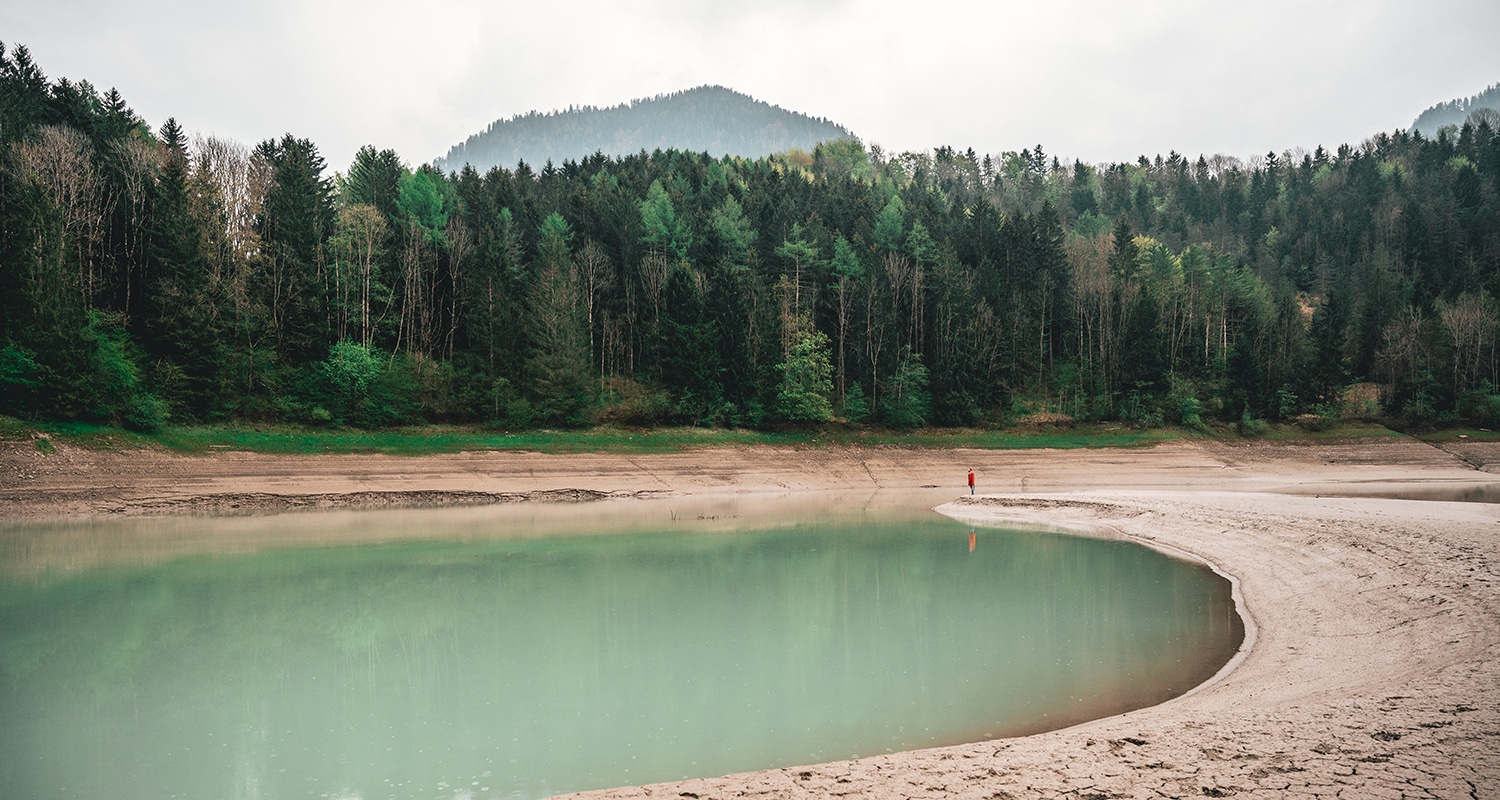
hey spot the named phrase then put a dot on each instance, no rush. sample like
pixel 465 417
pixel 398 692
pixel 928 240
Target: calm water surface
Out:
pixel 460 654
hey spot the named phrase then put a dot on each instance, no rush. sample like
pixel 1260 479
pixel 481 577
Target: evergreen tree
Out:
pixel 890 227
pixel 689 358
pixel 662 229
pixel 1327 371
pixel 907 404
pixel 374 179
pixel 295 220
pixel 174 314
pixel 557 369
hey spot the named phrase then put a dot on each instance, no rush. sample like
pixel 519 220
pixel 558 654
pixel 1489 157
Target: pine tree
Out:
pixel 296 219
pixel 557 367
pixel 688 356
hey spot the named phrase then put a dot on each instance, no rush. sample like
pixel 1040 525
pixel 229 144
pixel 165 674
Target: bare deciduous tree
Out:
pixel 1092 304
pixel 60 161
pixel 138 161
pixel 592 266
pixel 1405 350
pixel 1470 322
pixel 654 268
pixel 359 234
pixel 460 242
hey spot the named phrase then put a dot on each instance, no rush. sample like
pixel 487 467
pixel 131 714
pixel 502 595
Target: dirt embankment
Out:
pixel 73 481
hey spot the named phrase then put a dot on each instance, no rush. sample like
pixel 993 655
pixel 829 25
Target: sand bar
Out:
pixel 1374 669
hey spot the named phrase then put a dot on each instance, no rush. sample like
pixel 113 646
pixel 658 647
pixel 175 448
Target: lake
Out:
pixel 520 651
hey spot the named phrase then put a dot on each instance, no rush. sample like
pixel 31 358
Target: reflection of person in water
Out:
pixel 971 540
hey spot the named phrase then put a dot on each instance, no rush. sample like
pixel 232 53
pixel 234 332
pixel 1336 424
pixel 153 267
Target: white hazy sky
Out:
pixel 1098 80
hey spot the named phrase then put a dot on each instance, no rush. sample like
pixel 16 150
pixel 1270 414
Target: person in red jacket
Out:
pixel 971 481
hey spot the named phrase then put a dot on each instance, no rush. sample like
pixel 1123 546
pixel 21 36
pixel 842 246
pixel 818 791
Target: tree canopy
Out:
pixel 148 276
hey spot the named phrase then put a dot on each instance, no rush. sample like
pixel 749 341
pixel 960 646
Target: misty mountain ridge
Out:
pixel 711 119
pixel 1457 112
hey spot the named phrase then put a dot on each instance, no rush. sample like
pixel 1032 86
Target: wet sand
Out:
pixel 1372 668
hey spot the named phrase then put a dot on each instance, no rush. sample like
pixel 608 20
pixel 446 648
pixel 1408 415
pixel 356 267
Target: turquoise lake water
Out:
pixel 462 654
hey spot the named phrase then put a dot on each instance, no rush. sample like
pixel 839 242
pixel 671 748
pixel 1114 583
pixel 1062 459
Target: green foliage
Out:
pixel 845 262
pixel 920 245
pixel 1324 417
pixel 557 367
pixel 295 220
pixel 553 247
pixel 1286 402
pixel 625 402
pixel 1481 406
pixel 1327 339
pixel 806 380
pixel 907 404
pixel 556 232
pixel 689 359
pixel 349 371
pixel 148 275
pixel 662 229
pixel 1138 409
pixel 797 249
pixel 843 157
pixel 20 378
pixel 375 179
pixel 731 232
pixel 117 392
pixel 1090 225
pixel 360 386
pixel 145 412
pixel 890 226
pixel 423 198
pixel 1183 404
pixel 1419 410
pixel 1252 428
pixel 856 405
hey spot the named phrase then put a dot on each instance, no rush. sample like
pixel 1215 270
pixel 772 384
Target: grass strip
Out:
pixel 432 439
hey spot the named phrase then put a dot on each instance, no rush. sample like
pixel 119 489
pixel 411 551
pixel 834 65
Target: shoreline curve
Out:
pixel 960 510
pixel 1375 671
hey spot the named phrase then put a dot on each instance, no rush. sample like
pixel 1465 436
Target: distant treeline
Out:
pixel 707 119
pixel 147 277
pixel 1486 105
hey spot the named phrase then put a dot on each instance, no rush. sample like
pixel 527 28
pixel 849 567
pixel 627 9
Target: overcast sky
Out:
pixel 1098 80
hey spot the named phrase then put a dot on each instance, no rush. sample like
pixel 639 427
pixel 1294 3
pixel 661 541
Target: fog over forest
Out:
pixel 1485 106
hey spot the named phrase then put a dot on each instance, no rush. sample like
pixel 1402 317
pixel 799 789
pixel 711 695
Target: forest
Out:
pixel 150 277
pixel 1483 106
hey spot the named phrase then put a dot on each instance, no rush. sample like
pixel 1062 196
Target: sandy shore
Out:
pixel 1373 669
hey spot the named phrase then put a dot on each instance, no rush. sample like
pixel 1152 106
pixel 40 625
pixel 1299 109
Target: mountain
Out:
pixel 709 119
pixel 1455 112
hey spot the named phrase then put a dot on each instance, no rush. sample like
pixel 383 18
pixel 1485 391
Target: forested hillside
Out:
pixel 147 276
pixel 707 119
pixel 1457 112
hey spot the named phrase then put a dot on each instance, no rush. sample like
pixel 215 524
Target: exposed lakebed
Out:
pixel 521 652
